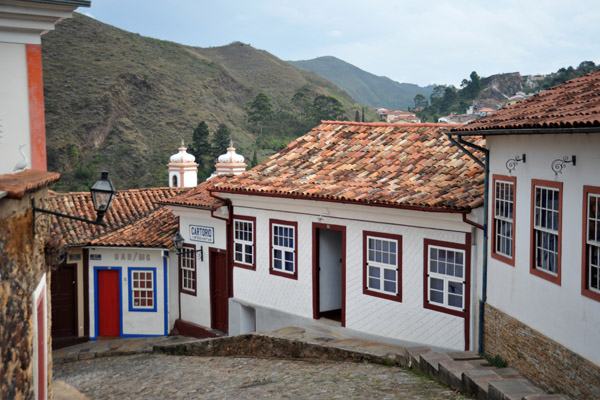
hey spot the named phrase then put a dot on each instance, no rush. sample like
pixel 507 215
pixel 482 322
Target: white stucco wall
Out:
pixel 407 320
pixel 560 312
pixel 196 309
pixel 14 106
pixel 134 323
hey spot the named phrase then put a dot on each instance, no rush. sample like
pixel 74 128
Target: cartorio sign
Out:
pixel 205 234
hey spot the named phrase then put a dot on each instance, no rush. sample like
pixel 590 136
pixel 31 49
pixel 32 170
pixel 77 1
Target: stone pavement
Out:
pixel 461 371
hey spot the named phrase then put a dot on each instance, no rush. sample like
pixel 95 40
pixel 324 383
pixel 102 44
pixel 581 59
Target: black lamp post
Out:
pixel 178 241
pixel 103 193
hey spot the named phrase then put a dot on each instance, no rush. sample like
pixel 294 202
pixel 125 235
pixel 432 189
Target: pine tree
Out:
pixel 254 161
pixel 220 141
pixel 200 146
pixel 356 116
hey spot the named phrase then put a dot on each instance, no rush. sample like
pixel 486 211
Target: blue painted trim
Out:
pixel 96 324
pixel 166 293
pixel 136 335
pixel 132 308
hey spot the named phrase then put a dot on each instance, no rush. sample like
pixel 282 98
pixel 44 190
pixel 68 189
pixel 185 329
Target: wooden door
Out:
pixel 219 295
pixel 108 302
pixel 64 301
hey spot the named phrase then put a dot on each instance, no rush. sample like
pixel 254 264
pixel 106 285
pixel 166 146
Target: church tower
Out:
pixel 183 170
pixel 230 163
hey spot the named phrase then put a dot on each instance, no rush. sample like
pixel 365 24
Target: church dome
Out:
pixel 183 156
pixel 231 156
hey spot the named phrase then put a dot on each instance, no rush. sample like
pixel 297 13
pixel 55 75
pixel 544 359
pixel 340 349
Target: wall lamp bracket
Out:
pixel 178 241
pixel 512 163
pixel 559 164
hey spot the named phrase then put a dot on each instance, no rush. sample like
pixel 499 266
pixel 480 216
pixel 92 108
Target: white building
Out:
pixel 367 224
pixel 542 311
pixel 183 170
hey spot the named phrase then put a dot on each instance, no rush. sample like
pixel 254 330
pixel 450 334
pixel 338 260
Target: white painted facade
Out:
pixel 14 106
pixel 559 311
pixel 406 320
pixel 197 308
pixel 126 260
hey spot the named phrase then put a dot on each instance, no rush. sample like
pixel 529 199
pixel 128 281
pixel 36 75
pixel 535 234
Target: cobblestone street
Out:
pixel 152 376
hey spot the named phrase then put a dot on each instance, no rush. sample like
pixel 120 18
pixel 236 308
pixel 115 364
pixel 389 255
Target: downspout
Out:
pixel 229 238
pixel 485 165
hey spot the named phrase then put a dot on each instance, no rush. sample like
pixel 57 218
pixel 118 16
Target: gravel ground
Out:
pixel 154 376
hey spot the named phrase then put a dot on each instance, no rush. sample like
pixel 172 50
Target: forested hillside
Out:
pixel 121 102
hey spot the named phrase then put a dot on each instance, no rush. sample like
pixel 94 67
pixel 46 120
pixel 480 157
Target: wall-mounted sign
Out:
pixel 74 257
pixel 132 257
pixel 204 234
pixel 96 257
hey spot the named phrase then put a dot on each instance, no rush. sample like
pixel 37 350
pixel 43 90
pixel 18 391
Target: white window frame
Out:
pixel 381 265
pixel 593 243
pixel 141 289
pixel 446 279
pixel 540 231
pixel 244 243
pixel 283 249
pixel 504 217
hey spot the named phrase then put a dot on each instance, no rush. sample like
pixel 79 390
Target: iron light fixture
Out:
pixel 559 164
pixel 102 191
pixel 178 241
pixel 512 163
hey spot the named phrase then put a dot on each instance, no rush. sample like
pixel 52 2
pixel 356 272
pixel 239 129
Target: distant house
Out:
pixel 401 116
pixel 367 224
pixel 542 306
pixel 25 347
pixel 457 119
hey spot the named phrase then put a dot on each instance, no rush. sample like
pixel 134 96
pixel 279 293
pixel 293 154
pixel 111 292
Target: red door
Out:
pixel 218 290
pixel 108 303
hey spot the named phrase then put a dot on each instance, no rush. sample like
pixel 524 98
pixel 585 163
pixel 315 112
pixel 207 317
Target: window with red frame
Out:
pixel 187 269
pixel 546 226
pixel 284 261
pixel 383 265
pixel 243 241
pixel 591 251
pixel 503 244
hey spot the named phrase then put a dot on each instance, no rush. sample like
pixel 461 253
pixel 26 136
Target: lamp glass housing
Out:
pixel 178 241
pixel 103 193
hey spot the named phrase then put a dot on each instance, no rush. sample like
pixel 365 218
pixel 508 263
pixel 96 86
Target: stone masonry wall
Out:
pixel 542 360
pixel 22 266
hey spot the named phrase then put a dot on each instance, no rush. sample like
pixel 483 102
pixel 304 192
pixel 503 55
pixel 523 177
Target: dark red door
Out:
pixel 108 303
pixel 218 289
pixel 64 302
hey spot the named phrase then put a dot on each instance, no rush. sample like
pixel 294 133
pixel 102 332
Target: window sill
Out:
pixel 283 274
pixel 381 295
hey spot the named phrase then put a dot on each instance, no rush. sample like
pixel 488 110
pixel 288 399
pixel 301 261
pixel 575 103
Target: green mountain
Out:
pixel 364 87
pixel 121 102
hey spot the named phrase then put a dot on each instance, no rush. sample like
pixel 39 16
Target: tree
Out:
pixel 327 108
pixel 200 146
pixel 356 116
pixel 420 101
pixel 221 139
pixel 254 161
pixel 260 110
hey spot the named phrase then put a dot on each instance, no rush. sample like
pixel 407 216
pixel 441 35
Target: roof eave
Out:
pixel 527 131
pixel 342 201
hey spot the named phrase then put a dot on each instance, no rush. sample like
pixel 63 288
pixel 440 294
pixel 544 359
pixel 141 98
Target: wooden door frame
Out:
pixel 315 270
pixel 96 315
pixel 212 284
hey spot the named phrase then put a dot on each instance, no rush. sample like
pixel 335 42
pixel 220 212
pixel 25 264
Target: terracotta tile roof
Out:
pixel 405 166
pixel 30 180
pixel 128 207
pixel 199 197
pixel 574 104
pixel 154 230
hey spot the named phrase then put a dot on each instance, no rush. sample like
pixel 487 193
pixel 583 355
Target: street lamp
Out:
pixel 178 241
pixel 103 193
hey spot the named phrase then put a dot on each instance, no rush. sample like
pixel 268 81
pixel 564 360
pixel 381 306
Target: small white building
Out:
pixel 366 224
pixel 183 169
pixel 542 306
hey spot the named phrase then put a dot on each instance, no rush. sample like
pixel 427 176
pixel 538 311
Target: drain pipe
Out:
pixel 485 165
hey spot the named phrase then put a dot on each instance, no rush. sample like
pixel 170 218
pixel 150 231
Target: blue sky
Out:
pixel 418 42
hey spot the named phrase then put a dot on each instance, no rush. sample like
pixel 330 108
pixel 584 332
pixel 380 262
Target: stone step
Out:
pixel 476 382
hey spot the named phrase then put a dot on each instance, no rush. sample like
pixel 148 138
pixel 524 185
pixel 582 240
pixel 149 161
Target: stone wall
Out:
pixel 22 265
pixel 542 360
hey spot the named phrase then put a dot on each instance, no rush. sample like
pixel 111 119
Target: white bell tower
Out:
pixel 183 170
